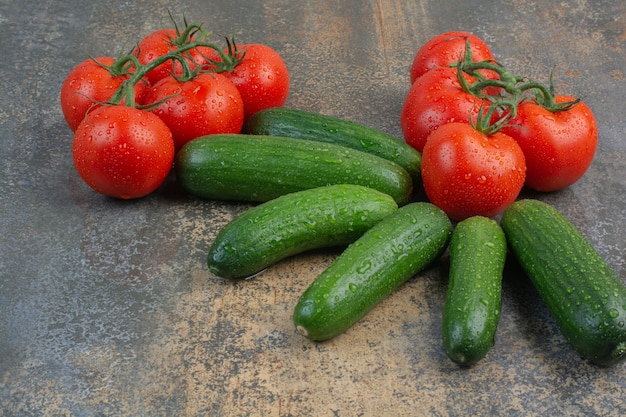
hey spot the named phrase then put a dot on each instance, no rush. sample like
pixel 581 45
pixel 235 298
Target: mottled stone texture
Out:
pixel 107 307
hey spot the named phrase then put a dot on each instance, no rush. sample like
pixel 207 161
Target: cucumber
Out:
pixel 472 307
pixel 284 121
pixel 370 269
pixel 294 223
pixel 260 168
pixel 583 293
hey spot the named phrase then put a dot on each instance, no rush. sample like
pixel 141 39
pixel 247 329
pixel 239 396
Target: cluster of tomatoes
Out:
pixel 484 134
pixel 132 113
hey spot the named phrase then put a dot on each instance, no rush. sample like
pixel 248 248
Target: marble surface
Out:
pixel 107 307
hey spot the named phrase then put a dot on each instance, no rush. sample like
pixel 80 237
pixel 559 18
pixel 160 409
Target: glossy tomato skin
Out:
pixel 559 147
pixel 445 49
pixel 161 42
pixel 208 104
pixel 261 77
pixel 467 173
pixel 88 84
pixel 123 152
pixel 435 98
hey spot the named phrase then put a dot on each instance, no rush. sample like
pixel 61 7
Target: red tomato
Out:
pixel 123 152
pixel 436 98
pixel 467 173
pixel 207 104
pixel 161 42
pixel 88 84
pixel 261 77
pixel 559 146
pixel 445 49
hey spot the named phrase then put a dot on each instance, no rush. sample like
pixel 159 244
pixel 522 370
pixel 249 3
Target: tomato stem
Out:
pixel 495 116
pixel 228 61
pixel 545 96
pixel 505 81
pixel 501 107
pixel 505 92
pixel 125 93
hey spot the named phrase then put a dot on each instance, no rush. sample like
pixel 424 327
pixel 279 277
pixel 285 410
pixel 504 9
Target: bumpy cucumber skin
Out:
pixel 290 122
pixel 370 269
pixel 294 223
pixel 582 292
pixel 472 307
pixel 259 168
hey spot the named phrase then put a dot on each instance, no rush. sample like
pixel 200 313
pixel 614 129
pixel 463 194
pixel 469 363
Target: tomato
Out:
pixel 467 173
pixel 207 104
pixel 162 42
pixel 559 146
pixel 436 98
pixel 87 85
pixel 445 49
pixel 261 77
pixel 123 152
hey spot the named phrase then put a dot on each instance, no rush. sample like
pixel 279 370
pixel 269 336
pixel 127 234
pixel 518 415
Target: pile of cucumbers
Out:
pixel 321 182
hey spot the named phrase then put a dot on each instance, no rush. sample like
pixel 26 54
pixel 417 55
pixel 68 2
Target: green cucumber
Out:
pixel 260 168
pixel 584 295
pixel 294 223
pixel 371 268
pixel 284 121
pixel 472 306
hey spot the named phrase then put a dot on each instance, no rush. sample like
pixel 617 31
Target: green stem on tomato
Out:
pixel 484 121
pixel 546 97
pixel 506 81
pixel 194 32
pixel 120 66
pixel 126 92
pixel 512 90
pixel 513 85
pixel 229 60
